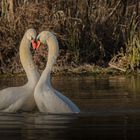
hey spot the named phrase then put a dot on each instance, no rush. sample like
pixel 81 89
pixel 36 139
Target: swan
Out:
pixel 13 99
pixel 46 97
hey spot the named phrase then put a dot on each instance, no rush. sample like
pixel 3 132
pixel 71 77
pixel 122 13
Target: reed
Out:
pixel 4 8
pixel 95 32
pixel 133 44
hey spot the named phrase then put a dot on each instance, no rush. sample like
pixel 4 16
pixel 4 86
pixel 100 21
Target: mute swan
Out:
pixel 13 99
pixel 47 98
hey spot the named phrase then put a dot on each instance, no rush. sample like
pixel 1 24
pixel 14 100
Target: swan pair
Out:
pixel 38 90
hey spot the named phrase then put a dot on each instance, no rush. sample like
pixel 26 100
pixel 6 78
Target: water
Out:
pixel 110 109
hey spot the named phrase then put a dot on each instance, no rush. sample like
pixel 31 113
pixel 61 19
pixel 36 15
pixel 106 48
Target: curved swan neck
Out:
pixel 53 50
pixel 46 77
pixel 27 61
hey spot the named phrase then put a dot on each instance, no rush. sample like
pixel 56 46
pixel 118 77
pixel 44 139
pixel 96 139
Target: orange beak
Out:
pixel 34 45
pixel 38 44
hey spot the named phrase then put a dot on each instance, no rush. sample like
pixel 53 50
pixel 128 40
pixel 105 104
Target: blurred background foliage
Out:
pixel 97 32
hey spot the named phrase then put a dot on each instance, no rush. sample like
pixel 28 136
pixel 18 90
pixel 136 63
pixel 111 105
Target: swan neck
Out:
pixel 53 50
pixel 46 77
pixel 27 61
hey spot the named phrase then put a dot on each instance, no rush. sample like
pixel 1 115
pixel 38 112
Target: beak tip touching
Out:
pixel 38 44
pixel 35 45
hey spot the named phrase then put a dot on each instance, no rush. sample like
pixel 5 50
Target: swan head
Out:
pixel 43 37
pixel 49 39
pixel 31 36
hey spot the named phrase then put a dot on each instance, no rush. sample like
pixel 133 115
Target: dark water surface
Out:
pixel 110 110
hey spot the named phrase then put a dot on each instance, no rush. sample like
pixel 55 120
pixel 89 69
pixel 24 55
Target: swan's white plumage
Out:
pixel 47 98
pixel 21 98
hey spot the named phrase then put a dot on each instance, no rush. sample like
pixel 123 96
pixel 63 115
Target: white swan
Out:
pixel 21 98
pixel 47 98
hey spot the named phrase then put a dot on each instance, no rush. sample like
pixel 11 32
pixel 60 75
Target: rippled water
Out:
pixel 110 109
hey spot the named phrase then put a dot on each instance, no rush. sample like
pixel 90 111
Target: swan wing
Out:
pixel 55 102
pixel 9 96
pixel 67 101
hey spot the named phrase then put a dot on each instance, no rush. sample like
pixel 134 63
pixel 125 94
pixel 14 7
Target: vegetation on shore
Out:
pixel 92 33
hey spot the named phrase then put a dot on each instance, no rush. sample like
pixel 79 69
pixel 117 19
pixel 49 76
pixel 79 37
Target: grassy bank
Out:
pixel 83 70
pixel 100 33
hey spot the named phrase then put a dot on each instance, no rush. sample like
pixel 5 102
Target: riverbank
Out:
pixel 83 70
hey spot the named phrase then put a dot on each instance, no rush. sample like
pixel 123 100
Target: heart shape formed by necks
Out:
pixel 35 45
